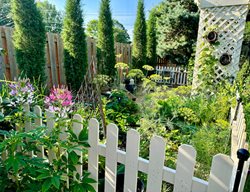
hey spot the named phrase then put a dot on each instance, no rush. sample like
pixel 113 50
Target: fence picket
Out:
pixel 185 168
pixel 244 176
pixel 38 123
pixel 111 158
pixel 50 125
pixel 77 128
pixel 27 121
pixel 220 174
pixel 93 157
pixel 156 164
pixel 131 165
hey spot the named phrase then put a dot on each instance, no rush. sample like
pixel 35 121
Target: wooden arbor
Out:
pixel 228 18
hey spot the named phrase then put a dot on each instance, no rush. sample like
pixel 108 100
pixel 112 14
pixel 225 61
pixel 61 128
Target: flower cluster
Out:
pixel 21 92
pixel 59 101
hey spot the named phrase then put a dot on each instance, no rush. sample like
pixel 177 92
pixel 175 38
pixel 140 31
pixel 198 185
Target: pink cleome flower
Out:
pixel 59 99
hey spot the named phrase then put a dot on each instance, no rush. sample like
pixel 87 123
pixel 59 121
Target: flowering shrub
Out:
pixel 21 92
pixel 59 101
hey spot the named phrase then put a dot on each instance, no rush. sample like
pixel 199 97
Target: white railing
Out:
pixel 174 75
pixel 221 175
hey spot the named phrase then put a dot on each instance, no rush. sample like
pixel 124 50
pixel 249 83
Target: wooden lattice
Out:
pixel 89 93
pixel 228 18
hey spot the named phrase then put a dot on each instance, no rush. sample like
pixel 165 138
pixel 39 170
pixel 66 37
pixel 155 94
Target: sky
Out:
pixel 122 10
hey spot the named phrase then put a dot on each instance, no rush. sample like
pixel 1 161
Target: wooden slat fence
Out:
pixel 222 170
pixel 175 75
pixel 54 55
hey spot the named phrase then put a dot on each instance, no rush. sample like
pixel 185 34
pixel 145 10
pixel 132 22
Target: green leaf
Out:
pixel 43 176
pixel 56 181
pixel 46 185
pixel 83 136
pixel 89 180
pixel 73 157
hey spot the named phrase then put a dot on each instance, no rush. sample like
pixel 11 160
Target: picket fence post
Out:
pixel 131 165
pixel 220 174
pixel 111 158
pixel 185 168
pixel 38 123
pixel 93 157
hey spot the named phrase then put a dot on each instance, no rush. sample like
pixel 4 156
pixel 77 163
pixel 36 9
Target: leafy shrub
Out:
pixel 21 172
pixel 122 111
pixel 209 141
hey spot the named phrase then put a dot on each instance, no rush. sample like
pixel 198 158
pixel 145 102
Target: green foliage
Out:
pixel 52 18
pixel 243 85
pixel 122 111
pixel 139 52
pixel 75 48
pixel 209 141
pixel 120 33
pixel 5 13
pixel 151 38
pixel 92 29
pixel 177 26
pixel 29 39
pixel 20 171
pixel 181 118
pixel 105 42
pixel 102 81
pixel 135 74
pixel 26 173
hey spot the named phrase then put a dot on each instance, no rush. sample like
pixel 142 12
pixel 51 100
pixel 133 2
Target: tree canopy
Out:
pixel 139 51
pixel 120 32
pixel 151 39
pixel 75 48
pixel 5 13
pixel 52 18
pixel 29 39
pixel 105 41
pixel 177 26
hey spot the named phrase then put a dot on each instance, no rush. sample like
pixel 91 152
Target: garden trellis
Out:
pixel 228 17
pixel 222 172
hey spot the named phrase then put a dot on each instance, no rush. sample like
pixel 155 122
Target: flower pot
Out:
pixel 225 59
pixel 212 37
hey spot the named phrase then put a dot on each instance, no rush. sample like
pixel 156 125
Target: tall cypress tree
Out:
pixel 140 37
pixel 106 40
pixel 29 39
pixel 74 39
pixel 151 39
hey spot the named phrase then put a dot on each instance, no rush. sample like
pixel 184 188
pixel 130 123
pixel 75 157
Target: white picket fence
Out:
pixel 175 75
pixel 238 139
pixel 221 175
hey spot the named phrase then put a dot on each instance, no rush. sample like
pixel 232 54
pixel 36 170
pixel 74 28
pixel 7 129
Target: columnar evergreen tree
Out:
pixel 29 39
pixel 106 40
pixel 74 39
pixel 151 39
pixel 140 37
